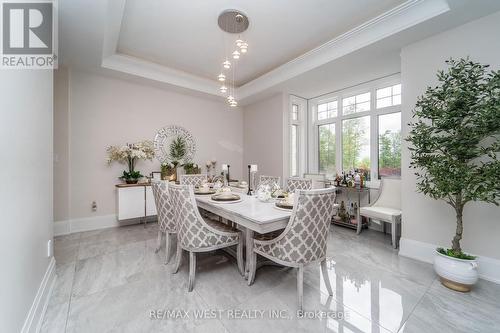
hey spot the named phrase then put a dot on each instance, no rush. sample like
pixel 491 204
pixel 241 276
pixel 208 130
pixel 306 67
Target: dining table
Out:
pixel 249 215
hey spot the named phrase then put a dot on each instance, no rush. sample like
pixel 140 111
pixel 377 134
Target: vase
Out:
pixel 131 181
pixel 456 274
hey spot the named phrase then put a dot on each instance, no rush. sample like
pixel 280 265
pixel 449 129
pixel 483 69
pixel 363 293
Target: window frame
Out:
pixel 373 113
pixel 301 123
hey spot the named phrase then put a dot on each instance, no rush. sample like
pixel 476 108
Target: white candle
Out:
pixel 253 168
pixel 224 167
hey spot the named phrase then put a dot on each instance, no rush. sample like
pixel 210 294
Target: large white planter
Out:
pixel 456 274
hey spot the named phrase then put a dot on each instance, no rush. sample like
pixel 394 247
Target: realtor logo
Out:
pixel 27 35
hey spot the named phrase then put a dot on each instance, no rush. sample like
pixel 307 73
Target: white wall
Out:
pixel 61 144
pixel 263 136
pixel 106 111
pixel 426 220
pixel 25 190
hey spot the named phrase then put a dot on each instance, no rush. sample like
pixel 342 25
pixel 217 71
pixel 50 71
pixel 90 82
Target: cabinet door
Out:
pixel 131 202
pixel 150 202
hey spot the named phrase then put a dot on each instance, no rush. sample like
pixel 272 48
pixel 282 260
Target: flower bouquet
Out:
pixel 129 154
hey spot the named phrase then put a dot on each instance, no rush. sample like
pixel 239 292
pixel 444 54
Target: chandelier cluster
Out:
pixel 233 22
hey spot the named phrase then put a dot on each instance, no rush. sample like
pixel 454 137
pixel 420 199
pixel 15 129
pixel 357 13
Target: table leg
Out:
pixel 249 250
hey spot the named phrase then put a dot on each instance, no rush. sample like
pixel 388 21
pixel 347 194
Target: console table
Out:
pixel 135 201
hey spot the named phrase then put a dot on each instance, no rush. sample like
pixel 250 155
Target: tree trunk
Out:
pixel 460 228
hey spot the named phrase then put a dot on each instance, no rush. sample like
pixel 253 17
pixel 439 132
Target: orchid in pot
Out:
pixel 455 145
pixel 129 154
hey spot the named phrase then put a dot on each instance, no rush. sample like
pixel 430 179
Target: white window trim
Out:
pixel 301 122
pixel 374 113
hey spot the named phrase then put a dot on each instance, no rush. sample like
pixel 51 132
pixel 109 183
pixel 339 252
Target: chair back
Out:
pixel 193 232
pixel 196 180
pixel 293 184
pixel 390 193
pixel 318 179
pixel 269 180
pixel 305 237
pixel 166 218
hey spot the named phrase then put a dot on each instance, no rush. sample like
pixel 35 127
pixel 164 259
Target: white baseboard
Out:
pixel 90 223
pixel 34 319
pixel 489 268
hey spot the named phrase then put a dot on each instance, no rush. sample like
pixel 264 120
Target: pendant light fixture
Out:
pixel 232 21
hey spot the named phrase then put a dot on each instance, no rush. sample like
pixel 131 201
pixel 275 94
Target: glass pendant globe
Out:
pixel 236 55
pixel 221 77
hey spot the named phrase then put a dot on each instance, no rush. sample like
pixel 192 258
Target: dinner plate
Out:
pixel 283 206
pixel 205 193
pixel 225 202
pixel 283 209
pixel 224 197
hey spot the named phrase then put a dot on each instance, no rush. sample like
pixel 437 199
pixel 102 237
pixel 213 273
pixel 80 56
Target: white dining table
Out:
pixel 250 214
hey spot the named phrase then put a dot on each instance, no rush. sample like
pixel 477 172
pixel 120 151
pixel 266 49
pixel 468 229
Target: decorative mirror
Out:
pixel 174 144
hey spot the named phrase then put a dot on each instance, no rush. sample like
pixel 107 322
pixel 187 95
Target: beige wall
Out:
pixel 263 140
pixel 106 111
pixel 427 220
pixel 26 191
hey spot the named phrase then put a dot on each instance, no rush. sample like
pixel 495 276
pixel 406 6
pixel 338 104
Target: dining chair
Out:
pixel 318 180
pixel 196 179
pixel 304 239
pixel 166 220
pixel 196 234
pixel 269 180
pixel 387 207
pixel 295 183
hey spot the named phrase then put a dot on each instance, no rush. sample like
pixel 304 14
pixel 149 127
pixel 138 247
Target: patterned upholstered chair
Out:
pixel 196 234
pixel 269 180
pixel 293 184
pixel 195 180
pixel 304 239
pixel 166 220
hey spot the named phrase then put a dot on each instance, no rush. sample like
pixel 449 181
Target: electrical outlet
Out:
pixel 94 206
pixel 49 248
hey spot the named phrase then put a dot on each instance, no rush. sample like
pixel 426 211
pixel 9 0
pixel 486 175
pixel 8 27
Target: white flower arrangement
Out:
pixel 129 154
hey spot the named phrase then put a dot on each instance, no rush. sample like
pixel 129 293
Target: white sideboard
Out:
pixel 135 201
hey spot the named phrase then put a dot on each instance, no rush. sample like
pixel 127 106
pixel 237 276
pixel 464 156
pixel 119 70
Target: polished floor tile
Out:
pixel 110 280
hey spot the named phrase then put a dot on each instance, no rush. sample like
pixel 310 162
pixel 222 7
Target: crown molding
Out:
pixel 152 71
pixel 404 16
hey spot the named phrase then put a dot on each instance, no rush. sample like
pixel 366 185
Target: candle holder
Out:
pixel 249 181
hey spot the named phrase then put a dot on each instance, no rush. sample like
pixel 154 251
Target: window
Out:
pixel 389 96
pixel 294 151
pixel 327 149
pixel 327 110
pixel 389 144
pixel 296 137
pixel 357 103
pixel 357 129
pixel 295 112
pixel 356 144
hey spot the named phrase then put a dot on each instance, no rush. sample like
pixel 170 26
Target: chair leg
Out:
pixel 393 234
pixel 239 257
pixel 178 257
pixel 167 247
pixel 300 287
pixel 192 270
pixel 158 241
pixel 324 271
pixel 252 267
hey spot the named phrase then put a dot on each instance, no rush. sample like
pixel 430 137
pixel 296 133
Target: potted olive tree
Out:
pixel 455 146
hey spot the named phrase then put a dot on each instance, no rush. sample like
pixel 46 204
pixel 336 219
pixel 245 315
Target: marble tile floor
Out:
pixel 111 280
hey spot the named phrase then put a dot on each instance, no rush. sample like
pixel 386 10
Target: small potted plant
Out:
pixel 191 168
pixel 129 154
pixel 454 148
